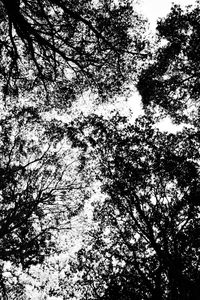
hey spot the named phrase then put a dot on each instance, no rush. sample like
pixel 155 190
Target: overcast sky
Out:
pixel 153 9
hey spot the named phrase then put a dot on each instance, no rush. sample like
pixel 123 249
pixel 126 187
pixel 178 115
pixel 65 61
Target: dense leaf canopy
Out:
pixel 171 81
pixel 69 45
pixel 130 190
pixel 34 183
pixel 146 245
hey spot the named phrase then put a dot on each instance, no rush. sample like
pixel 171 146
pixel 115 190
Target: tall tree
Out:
pixel 146 245
pixel 38 172
pixel 77 44
pixel 171 80
pixel 52 51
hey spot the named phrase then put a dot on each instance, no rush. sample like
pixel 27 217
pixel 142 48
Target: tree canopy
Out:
pixel 171 80
pixel 96 207
pixel 73 46
pixel 146 244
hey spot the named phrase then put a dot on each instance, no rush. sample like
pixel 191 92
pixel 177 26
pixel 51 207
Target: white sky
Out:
pixel 154 9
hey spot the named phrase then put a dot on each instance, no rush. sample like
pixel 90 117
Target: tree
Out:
pixel 71 46
pixel 171 80
pixel 144 240
pixel 146 245
pixel 40 187
pixel 51 52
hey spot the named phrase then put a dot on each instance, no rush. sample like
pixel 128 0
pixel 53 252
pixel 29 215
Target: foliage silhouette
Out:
pixel 83 44
pixel 143 242
pixel 40 188
pixel 171 80
pixel 146 245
